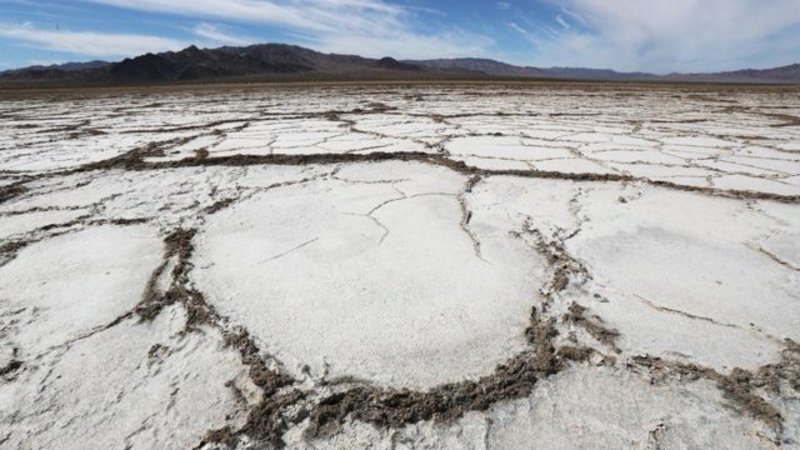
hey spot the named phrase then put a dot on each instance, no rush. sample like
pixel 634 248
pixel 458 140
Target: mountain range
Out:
pixel 290 62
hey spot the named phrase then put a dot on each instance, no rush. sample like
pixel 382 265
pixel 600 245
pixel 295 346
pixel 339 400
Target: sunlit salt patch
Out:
pixel 507 147
pixel 159 193
pixel 587 407
pixel 546 204
pixel 19 224
pixel 404 126
pixel 543 152
pixel 406 178
pixel 679 275
pixel 625 140
pixel 698 141
pixel 73 193
pixel 784 248
pixel 188 150
pixel 795 181
pixel 8 181
pixel 571 166
pixel 259 177
pixel 72 284
pixel 748 183
pixel 599 147
pixel 778 165
pixel 721 165
pixel 52 159
pixel 646 330
pixel 792 146
pixel 166 196
pixel 494 163
pixel 658 267
pixel 365 144
pixel 180 116
pixel 645 156
pixel 492 127
pixel 137 385
pixel 396 146
pixel 305 138
pixel 653 171
pixel 685 152
pixel 399 297
pixel 546 132
pixel 762 152
pixel 587 138
pixel 65 153
pixel 530 138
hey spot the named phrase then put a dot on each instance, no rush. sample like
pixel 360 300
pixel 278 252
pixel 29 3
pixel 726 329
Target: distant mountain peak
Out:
pixel 191 49
pixel 390 63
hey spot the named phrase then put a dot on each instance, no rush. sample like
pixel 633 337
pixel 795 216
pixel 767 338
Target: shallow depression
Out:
pixel 365 281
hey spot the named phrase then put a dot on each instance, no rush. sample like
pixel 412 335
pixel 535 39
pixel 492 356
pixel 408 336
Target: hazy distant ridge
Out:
pixel 193 63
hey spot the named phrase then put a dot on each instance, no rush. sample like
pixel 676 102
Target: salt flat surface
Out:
pixel 61 288
pixel 431 267
pixel 394 290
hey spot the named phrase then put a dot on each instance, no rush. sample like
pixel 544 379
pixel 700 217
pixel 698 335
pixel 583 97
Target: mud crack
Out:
pixel 466 215
pixel 594 326
pixel 746 390
pixel 178 250
pixel 392 408
pixel 564 267
pixel 134 160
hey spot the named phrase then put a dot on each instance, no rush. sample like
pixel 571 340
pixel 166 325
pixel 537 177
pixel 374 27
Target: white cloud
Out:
pixel 666 35
pixel 88 43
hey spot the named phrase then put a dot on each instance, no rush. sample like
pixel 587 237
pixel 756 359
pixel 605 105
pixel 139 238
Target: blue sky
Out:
pixel 651 35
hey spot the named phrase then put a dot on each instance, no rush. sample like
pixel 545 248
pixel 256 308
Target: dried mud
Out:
pixel 394 408
pixel 594 326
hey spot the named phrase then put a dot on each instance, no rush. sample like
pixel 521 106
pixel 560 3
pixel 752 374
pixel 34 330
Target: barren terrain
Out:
pixel 401 266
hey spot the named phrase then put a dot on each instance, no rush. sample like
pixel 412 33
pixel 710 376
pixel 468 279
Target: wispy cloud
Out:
pixel 562 22
pixel 407 45
pixel 217 35
pixel 573 15
pixel 88 43
pixel 368 27
pixel 666 35
pixel 514 26
pixel 321 16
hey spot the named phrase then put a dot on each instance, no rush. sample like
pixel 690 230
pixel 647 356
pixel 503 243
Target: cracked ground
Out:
pixel 455 266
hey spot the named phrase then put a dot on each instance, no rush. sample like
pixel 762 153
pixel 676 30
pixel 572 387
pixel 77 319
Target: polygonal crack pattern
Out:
pixel 401 266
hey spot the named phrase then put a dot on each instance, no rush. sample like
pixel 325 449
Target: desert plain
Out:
pixel 431 266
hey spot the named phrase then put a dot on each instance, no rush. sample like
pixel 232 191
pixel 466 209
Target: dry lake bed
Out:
pixel 401 266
